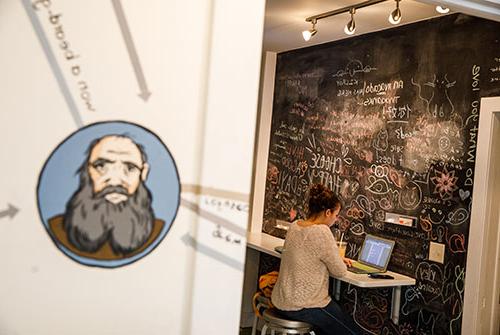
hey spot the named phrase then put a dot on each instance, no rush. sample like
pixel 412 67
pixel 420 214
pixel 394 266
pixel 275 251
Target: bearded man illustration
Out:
pixel 110 215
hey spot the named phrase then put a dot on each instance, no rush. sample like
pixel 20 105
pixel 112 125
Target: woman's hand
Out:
pixel 347 261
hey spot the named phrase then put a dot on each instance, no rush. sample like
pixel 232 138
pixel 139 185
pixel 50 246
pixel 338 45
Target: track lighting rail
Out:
pixel 343 10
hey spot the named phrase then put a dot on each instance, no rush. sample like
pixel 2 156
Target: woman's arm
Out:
pixel 329 253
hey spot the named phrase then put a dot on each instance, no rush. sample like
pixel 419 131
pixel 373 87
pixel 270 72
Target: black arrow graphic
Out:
pixel 11 211
pixel 134 58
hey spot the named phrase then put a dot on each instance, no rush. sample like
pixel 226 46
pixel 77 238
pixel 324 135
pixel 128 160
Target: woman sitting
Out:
pixel 309 256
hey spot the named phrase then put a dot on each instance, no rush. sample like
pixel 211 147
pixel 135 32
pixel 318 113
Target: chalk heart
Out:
pixel 429 281
pixel 463 194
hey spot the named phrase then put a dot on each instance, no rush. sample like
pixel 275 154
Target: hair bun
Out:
pixel 317 190
pixel 321 198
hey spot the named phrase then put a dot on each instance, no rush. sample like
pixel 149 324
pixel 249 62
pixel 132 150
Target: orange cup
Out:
pixel 342 247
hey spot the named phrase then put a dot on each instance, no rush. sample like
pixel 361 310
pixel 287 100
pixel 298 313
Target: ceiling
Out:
pixel 285 20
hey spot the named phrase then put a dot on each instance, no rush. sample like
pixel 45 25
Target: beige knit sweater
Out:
pixel 310 254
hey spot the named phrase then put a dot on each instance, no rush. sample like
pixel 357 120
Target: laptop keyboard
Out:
pixel 361 268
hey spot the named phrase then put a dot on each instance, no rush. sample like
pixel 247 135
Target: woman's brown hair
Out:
pixel 321 198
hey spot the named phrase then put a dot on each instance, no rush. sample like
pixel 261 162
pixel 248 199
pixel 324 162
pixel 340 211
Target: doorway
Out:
pixel 482 282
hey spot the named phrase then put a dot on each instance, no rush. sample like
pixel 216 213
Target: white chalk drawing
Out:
pixel 440 102
pixel 463 194
pixel 425 327
pixel 437 98
pixel 381 141
pixel 412 294
pixel 377 186
pixel 458 217
pixel 354 67
pixel 459 286
pixel 365 204
pixel 357 229
pixel 444 143
pixel 410 196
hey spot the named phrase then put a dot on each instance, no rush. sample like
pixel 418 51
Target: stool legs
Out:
pixel 264 329
pixel 254 324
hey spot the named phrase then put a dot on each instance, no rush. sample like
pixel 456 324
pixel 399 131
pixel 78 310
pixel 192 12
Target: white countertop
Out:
pixel 266 243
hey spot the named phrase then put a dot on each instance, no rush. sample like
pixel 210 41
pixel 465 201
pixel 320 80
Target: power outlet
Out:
pixel 436 252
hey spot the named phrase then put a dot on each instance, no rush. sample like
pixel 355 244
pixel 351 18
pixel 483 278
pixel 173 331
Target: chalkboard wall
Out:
pixel 389 121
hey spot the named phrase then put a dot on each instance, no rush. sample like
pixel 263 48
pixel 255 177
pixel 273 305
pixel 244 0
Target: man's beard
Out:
pixel 90 220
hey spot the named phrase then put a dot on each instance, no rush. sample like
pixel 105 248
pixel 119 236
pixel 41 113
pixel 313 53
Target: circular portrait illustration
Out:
pixel 108 194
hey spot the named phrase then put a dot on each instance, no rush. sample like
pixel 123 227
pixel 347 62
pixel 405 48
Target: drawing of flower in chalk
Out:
pixel 445 183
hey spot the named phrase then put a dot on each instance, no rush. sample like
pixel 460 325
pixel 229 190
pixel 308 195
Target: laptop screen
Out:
pixel 376 251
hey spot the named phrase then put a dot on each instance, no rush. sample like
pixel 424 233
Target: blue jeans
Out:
pixel 327 320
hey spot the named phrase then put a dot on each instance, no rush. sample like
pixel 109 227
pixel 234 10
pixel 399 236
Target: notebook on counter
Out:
pixel 374 256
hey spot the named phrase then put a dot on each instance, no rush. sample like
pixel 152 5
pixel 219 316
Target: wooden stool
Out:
pixel 276 324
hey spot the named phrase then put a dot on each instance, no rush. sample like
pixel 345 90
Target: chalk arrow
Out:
pixel 134 58
pixel 11 212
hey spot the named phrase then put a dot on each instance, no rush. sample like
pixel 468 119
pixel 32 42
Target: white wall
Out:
pixel 203 106
pixel 228 157
pixel 263 138
pixel 259 182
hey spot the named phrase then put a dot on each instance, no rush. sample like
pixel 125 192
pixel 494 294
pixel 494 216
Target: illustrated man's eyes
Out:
pixel 100 165
pixel 131 167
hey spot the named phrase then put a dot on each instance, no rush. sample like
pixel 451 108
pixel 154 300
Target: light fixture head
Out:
pixel 395 16
pixel 350 27
pixel 307 34
pixel 442 9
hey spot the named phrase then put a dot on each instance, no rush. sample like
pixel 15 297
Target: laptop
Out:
pixel 374 256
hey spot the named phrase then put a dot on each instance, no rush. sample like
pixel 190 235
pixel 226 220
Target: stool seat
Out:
pixel 276 323
pixel 272 316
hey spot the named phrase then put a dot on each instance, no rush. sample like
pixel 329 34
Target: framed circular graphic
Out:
pixel 108 194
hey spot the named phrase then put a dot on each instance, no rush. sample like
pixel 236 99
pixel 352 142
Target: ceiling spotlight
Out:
pixel 442 9
pixel 350 27
pixel 395 16
pixel 307 34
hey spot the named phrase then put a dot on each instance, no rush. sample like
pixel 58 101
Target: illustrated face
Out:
pixel 116 161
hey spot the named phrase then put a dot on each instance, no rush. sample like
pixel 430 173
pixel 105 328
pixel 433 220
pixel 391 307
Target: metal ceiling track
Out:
pixel 315 18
